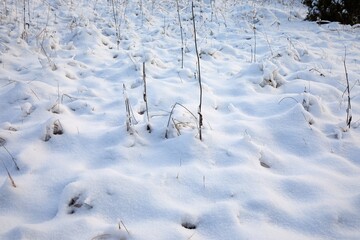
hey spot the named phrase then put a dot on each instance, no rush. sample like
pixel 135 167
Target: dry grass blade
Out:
pixel 102 237
pixel 9 175
pixel 130 118
pixel 176 127
pixel 172 112
pixel 289 98
pixel 125 227
pixel 2 144
pixel 127 108
pixel 2 141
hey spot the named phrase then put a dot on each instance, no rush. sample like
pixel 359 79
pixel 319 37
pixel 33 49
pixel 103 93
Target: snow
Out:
pixel 277 160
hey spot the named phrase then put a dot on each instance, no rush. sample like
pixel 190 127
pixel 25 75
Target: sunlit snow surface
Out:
pixel 276 161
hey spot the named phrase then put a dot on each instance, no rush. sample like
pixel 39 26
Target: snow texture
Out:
pixel 277 160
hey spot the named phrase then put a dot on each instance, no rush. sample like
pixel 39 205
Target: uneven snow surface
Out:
pixel 277 160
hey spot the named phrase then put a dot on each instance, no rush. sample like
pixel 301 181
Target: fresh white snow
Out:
pixel 277 160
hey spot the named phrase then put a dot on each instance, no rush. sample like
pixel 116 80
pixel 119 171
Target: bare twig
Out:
pixel 125 227
pixel 199 73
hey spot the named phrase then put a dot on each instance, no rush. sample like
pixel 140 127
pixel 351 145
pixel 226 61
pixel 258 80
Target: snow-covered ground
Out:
pixel 277 160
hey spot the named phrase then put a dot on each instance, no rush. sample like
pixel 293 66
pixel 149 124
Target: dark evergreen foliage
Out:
pixel 343 11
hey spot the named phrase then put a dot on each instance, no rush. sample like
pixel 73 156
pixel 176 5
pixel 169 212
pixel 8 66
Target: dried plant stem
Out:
pixel 8 173
pixel 199 73
pixel 128 111
pixel 181 34
pixel 314 69
pixel 28 8
pixel 24 14
pixel 287 98
pixel 148 127
pixel 115 16
pixel 348 110
pixel 254 29
pixel 12 158
pixel 171 113
pixel 125 227
pixel 269 44
pixel 43 35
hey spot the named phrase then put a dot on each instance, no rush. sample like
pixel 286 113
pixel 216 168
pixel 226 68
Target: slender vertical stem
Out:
pixel 142 12
pixel 114 8
pixel 5 8
pixel 199 72
pixel 348 110
pixel 181 34
pixel 127 109
pixel 28 1
pixel 145 99
pixel 24 15
pixel 254 29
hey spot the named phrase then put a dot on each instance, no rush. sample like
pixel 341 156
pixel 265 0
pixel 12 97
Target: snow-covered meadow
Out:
pixel 277 160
